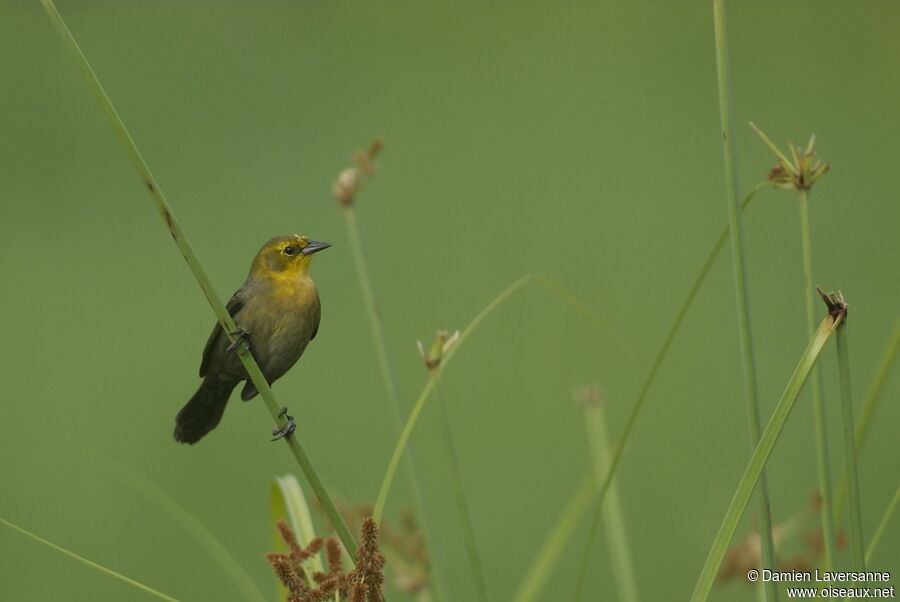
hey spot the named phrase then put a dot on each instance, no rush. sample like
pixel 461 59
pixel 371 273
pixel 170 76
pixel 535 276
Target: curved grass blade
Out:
pixel 760 456
pixel 89 563
pixel 584 310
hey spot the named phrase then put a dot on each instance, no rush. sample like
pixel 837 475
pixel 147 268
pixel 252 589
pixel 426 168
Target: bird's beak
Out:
pixel 315 246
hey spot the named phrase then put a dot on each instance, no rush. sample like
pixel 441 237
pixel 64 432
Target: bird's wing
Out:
pixel 317 313
pixel 233 306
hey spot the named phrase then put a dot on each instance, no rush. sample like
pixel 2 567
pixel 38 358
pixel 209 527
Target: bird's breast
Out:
pixel 281 322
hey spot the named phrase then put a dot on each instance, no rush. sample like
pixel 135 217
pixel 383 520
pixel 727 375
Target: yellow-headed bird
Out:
pixel 277 313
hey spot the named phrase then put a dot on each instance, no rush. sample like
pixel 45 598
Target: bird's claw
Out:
pixel 286 430
pixel 240 336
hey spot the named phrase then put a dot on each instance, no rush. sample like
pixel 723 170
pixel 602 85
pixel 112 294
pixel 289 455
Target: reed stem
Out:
pixel 739 269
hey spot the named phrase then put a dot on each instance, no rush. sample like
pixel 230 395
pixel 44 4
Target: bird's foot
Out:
pixel 289 427
pixel 240 336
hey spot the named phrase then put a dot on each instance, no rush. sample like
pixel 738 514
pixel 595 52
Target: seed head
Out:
pixel 799 172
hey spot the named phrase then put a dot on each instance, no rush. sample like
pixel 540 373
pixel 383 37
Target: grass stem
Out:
pixel 739 269
pixel 379 337
pixel 857 551
pixel 816 388
pixel 190 257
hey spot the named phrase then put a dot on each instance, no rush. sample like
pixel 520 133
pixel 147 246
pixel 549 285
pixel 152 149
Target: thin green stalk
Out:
pixel 648 382
pixel 387 481
pixel 818 399
pixel 89 563
pixel 882 525
pixel 190 257
pixel 857 550
pixel 739 269
pixel 760 456
pixel 868 410
pixel 465 518
pixel 375 322
pixel 205 538
pixel 613 517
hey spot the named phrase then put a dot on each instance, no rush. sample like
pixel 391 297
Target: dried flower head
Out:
pixel 799 172
pixel 362 584
pixel 289 570
pixel 368 576
pixel 335 562
pixel 351 180
pixel 837 307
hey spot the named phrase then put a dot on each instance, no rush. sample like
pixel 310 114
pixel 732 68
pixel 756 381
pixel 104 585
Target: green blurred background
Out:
pixel 578 141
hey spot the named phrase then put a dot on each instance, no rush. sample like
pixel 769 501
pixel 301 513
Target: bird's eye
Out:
pixel 290 250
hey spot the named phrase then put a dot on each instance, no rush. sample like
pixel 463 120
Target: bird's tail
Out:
pixel 204 410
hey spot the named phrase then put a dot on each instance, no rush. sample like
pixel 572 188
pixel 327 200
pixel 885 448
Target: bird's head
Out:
pixel 286 256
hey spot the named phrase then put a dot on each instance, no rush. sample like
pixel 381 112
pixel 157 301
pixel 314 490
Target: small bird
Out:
pixel 277 314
